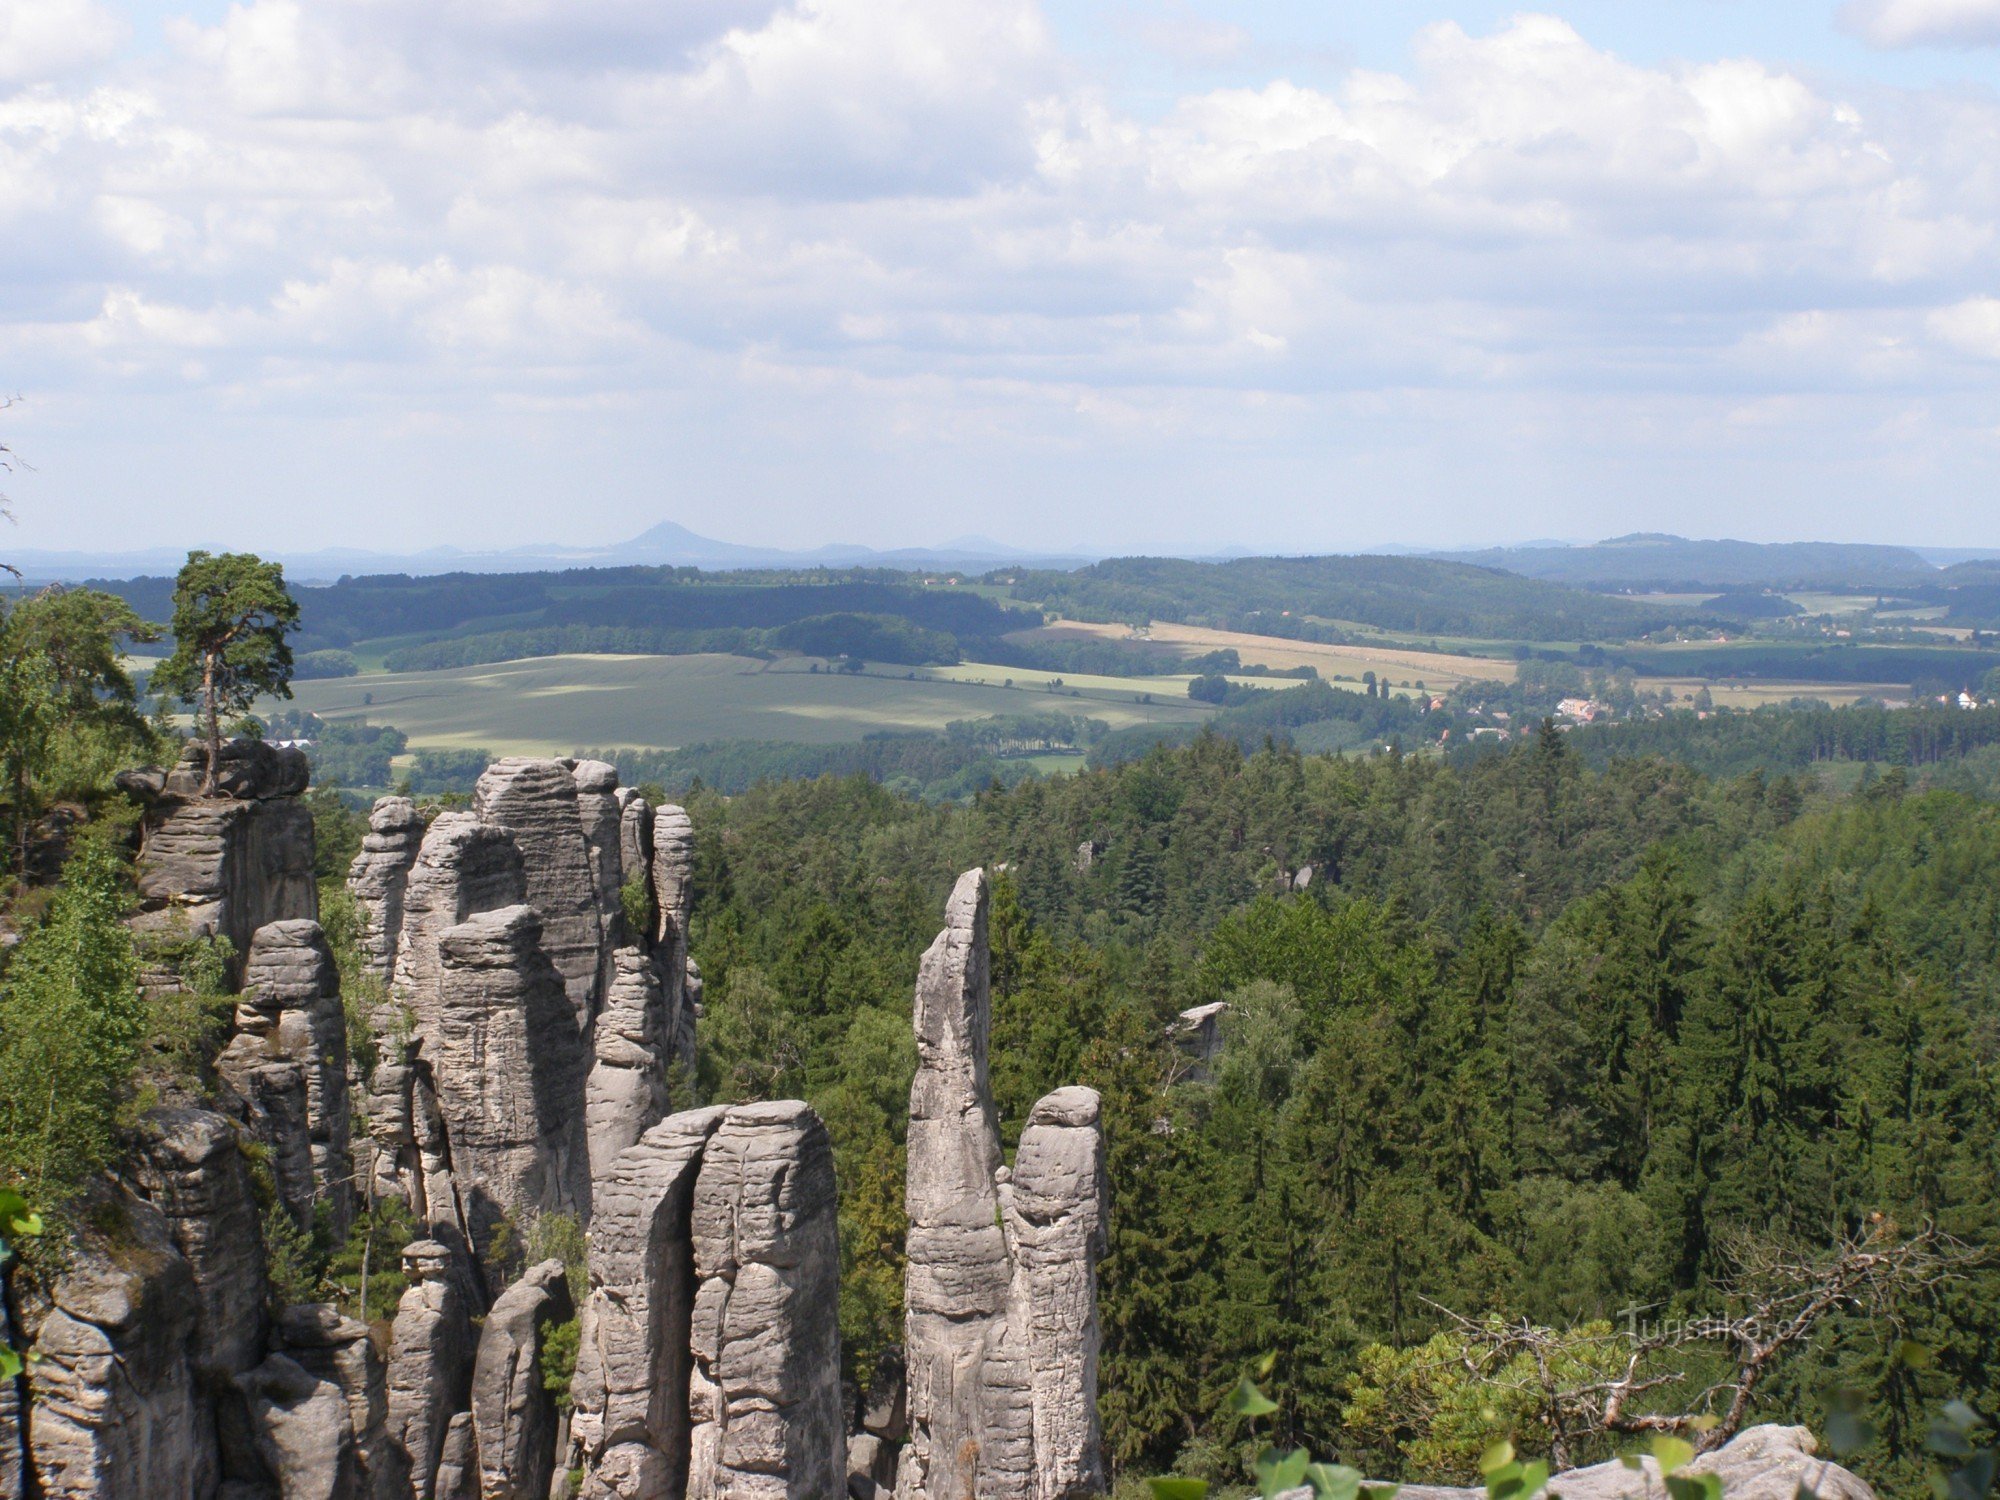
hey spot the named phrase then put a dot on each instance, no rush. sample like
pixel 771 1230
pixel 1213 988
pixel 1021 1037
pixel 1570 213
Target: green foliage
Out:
pixel 370 1261
pixel 232 613
pixel 292 1263
pixel 635 901
pixel 560 1342
pixel 17 1222
pixel 344 921
pixel 561 1237
pixel 71 1021
pixel 69 715
pixel 1436 1408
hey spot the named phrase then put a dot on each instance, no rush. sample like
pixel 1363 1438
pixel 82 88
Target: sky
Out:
pixel 1113 275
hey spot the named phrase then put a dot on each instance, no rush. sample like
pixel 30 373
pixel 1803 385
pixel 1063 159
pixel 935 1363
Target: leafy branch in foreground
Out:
pixel 1579 1385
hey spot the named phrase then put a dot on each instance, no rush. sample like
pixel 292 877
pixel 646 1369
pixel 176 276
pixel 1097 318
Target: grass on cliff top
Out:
pixel 551 705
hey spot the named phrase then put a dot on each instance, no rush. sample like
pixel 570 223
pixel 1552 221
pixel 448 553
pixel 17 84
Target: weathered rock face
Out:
pixel 633 1361
pixel 1001 1336
pixel 509 1072
pixel 115 1410
pixel 602 815
pixel 227 864
pixel 338 1351
pixel 514 1417
pixel 430 1362
pixel 536 801
pixel 463 867
pixel 673 897
pixel 192 1168
pixel 635 844
pixel 290 1015
pixel 627 1092
pixel 958 1276
pixel 1054 1209
pixel 380 873
pixel 764 1394
pixel 301 1432
pixel 673 873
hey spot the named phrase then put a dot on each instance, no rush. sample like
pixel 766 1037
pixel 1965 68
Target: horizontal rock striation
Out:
pixel 378 876
pixel 290 1016
pixel 710 1359
pixel 509 1072
pixel 764 1394
pixel 537 802
pixel 227 864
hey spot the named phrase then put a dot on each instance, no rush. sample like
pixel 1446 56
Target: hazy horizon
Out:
pixel 1109 276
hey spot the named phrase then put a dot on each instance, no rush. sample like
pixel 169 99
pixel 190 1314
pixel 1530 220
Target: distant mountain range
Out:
pixel 1643 560
pixel 1654 560
pixel 668 544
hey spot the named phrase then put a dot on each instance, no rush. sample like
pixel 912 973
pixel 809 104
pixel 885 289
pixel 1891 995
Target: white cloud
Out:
pixel 1924 23
pixel 45 39
pixel 850 221
pixel 1972 326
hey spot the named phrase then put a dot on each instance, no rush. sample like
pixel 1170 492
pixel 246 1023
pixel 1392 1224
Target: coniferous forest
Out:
pixel 1534 1042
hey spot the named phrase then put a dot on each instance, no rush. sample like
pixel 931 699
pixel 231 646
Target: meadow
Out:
pixel 552 705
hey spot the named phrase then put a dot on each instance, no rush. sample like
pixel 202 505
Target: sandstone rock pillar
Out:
pixel 633 1359
pixel 508 1068
pixel 536 801
pixel 764 1395
pixel 1001 1338
pixel 378 876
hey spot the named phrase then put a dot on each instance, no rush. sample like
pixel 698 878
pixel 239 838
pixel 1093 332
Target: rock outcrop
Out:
pixel 1001 1338
pixel 338 1351
pixel 634 1357
pixel 710 1358
pixel 378 876
pixel 289 1023
pixel 191 1165
pixel 602 816
pixel 463 867
pixel 635 844
pixel 764 1394
pixel 227 864
pixel 1053 1209
pixel 300 1432
pixel 514 1418
pixel 115 1404
pixel 430 1363
pixel 536 801
pixel 627 1091
pixel 673 898
pixel 509 1072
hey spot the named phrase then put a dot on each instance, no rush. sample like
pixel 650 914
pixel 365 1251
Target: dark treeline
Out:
pixel 1537 1040
pixel 1276 595
pixel 1793 738
pixel 1933 668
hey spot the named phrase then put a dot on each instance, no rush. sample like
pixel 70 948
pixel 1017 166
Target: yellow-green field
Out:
pixel 556 704
pixel 1436 670
pixel 1730 693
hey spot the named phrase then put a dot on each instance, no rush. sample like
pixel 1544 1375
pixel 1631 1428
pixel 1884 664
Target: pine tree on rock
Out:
pixel 232 613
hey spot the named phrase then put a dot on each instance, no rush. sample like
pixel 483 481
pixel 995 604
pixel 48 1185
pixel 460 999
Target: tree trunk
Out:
pixel 213 779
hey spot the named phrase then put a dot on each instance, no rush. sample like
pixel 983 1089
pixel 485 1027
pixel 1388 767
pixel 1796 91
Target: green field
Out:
pixel 557 704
